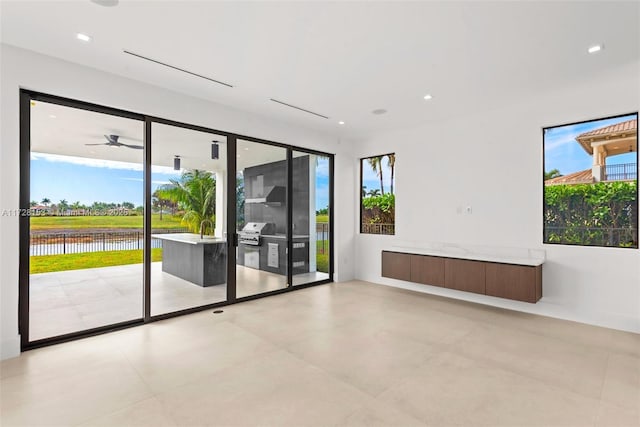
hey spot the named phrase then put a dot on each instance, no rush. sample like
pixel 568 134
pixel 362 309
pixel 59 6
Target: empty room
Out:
pixel 319 213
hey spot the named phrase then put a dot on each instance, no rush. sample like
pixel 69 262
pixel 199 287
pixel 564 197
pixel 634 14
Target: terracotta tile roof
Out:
pixel 629 125
pixel 582 177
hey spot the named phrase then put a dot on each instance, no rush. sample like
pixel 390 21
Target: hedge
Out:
pixel 601 214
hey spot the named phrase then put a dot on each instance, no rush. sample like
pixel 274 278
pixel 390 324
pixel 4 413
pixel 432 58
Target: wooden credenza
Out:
pixel 503 280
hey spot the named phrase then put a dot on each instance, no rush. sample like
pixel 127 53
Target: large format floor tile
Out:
pixel 454 390
pixel 71 301
pixel 342 354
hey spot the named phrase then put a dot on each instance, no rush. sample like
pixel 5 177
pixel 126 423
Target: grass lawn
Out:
pixel 57 222
pixel 49 263
pixel 322 218
pixel 322 259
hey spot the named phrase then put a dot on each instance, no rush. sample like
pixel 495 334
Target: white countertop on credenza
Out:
pixel 517 256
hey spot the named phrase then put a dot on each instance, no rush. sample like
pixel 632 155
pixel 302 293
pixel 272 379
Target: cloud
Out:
pixel 100 163
pixel 82 161
pixel 167 170
pixel 142 180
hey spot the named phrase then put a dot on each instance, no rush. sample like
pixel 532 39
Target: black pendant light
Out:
pixel 215 150
pixel 176 163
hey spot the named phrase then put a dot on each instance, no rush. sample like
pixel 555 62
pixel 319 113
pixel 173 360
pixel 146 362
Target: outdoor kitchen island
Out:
pixel 202 261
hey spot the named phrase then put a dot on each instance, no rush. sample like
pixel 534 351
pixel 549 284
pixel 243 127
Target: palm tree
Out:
pixel 195 193
pixel 160 203
pixel 391 161
pixel 376 165
pixel 45 201
pixel 373 193
pixel 63 205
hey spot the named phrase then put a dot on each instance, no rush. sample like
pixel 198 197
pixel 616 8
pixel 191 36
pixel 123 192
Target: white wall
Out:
pixel 492 161
pixel 24 69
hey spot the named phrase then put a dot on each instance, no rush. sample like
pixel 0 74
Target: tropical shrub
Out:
pixel 601 214
pixel 379 209
pixel 195 195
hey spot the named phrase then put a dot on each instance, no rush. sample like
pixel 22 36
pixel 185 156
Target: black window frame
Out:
pixel 635 244
pixel 360 197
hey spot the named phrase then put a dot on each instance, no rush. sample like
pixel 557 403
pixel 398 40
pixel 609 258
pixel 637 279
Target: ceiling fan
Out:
pixel 112 141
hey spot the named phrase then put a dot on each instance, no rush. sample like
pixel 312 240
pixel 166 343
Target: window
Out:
pixel 377 198
pixel 591 183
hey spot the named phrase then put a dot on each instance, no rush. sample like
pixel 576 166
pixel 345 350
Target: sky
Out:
pixel 322 183
pixel 563 152
pixel 371 180
pixel 58 177
pixel 84 180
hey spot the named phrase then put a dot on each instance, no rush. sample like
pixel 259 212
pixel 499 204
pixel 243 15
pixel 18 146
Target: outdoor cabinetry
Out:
pixel 511 281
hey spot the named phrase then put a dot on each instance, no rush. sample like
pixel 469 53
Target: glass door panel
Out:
pixel 188 238
pixel 86 220
pixel 262 175
pixel 310 218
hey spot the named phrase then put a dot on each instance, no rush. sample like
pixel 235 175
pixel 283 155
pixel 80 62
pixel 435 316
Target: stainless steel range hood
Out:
pixel 275 196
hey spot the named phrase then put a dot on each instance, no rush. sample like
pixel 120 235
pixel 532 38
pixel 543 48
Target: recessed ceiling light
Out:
pixel 340 122
pixel 595 48
pixel 83 37
pixel 428 97
pixel 51 116
pixel 379 111
pixel 106 3
pixel 246 149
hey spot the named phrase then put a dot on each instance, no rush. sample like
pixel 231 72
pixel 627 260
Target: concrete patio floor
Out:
pixel 76 300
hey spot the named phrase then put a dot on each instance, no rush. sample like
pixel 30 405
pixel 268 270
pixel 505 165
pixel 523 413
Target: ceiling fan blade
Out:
pixel 137 147
pixel 96 144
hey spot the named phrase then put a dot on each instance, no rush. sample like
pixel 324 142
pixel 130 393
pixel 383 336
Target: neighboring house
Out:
pixel 608 141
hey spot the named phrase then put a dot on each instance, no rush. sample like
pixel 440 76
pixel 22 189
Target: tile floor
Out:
pixel 76 300
pixel 342 354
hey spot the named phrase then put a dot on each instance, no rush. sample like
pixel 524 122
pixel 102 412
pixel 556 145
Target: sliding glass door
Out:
pixel 188 225
pixel 85 220
pixel 126 218
pixel 311 204
pixel 261 218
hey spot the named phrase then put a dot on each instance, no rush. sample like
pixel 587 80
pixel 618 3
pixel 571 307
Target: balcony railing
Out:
pixel 592 236
pixel 378 228
pixel 621 172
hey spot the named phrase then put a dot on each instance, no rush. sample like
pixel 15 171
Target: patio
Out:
pixel 71 301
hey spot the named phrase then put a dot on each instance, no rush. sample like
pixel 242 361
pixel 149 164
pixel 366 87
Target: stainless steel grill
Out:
pixel 250 234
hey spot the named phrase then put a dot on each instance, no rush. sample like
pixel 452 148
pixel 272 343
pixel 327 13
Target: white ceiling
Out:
pixel 66 131
pixel 339 59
